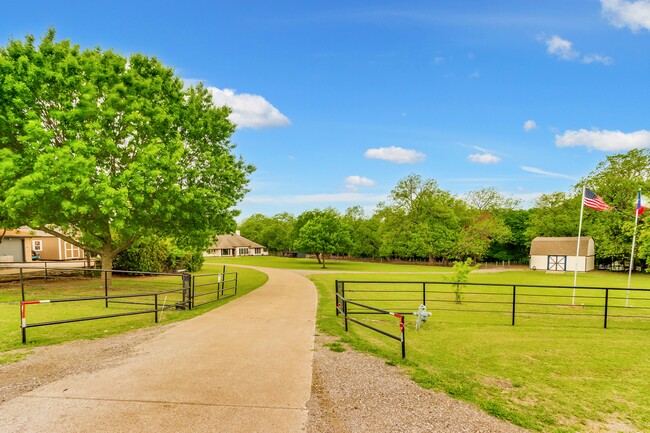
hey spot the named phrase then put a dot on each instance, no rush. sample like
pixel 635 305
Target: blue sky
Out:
pixel 336 101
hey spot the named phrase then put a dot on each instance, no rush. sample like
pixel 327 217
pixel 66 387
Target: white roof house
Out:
pixel 235 246
pixel 559 254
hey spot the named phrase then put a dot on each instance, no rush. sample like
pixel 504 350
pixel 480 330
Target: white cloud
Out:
pixel 438 60
pixel 561 48
pixel 606 141
pixel 320 199
pixel 396 154
pixel 564 50
pixel 353 183
pixel 536 170
pixel 484 158
pixel 529 125
pixel 475 74
pixel 597 58
pixel 249 111
pixel 623 13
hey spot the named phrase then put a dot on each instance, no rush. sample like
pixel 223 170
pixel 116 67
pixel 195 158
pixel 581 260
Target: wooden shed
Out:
pixel 559 254
pixel 18 246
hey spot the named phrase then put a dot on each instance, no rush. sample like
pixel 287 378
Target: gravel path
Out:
pixel 355 392
pixel 351 392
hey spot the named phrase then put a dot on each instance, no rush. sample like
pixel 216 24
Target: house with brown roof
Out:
pixel 559 254
pixel 20 245
pixel 235 246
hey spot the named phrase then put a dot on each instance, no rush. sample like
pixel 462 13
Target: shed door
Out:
pixel 13 247
pixel 557 263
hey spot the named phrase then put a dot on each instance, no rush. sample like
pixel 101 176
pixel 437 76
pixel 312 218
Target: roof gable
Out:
pixel 567 246
pixel 234 241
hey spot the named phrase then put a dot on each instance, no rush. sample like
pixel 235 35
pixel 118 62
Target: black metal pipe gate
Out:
pixel 342 308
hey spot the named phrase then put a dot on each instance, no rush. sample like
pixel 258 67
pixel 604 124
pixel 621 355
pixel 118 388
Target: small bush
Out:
pixel 158 255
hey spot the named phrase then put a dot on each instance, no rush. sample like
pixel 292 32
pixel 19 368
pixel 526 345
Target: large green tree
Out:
pixel 273 232
pixel 617 180
pixel 363 232
pixel 419 220
pixel 323 234
pixel 101 150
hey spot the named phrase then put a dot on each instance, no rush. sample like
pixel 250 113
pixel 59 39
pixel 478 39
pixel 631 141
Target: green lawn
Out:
pixel 10 335
pixel 547 373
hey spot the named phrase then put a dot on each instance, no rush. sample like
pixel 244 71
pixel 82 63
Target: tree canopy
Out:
pixel 102 150
pixel 322 234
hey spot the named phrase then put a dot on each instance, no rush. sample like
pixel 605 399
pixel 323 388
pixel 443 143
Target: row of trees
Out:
pixel 422 221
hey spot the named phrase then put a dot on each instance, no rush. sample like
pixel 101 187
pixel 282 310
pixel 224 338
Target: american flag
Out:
pixel 593 201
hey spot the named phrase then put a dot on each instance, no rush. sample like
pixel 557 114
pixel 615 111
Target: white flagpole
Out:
pixel 629 275
pixel 575 272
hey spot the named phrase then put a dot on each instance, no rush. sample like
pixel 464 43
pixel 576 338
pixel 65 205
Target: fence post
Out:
pixel 23 321
pixel 236 281
pixel 193 289
pixel 106 286
pixel 345 313
pixel 514 303
pixel 401 326
pixel 155 303
pixel 336 297
pixel 22 284
pixel 46 272
pixel 606 305
pixel 424 293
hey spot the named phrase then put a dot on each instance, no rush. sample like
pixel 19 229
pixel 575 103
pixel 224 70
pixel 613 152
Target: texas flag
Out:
pixel 641 204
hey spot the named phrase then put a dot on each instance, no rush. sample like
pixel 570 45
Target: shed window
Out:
pixel 37 245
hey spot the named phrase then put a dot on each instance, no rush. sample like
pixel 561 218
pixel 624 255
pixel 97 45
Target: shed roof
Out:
pixel 542 246
pixel 234 241
pixel 24 232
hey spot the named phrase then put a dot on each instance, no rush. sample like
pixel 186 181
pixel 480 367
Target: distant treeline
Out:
pixel 419 220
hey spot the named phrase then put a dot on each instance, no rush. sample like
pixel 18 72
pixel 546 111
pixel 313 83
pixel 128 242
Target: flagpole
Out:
pixel 575 272
pixel 636 222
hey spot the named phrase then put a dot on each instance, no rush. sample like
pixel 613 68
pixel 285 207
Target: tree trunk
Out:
pixel 318 257
pixel 107 267
pixel 323 254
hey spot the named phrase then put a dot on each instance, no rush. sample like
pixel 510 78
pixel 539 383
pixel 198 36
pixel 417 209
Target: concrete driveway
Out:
pixel 244 367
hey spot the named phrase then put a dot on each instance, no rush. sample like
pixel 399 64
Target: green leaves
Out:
pixel 112 148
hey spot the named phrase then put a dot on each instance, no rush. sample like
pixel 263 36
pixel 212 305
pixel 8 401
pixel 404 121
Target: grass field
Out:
pixel 548 373
pixel 10 296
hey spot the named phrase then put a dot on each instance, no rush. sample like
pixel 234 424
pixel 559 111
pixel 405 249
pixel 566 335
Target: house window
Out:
pixel 225 252
pixel 258 251
pixel 243 251
pixel 37 245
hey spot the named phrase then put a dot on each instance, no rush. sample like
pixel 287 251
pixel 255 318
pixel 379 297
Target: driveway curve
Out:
pixel 246 366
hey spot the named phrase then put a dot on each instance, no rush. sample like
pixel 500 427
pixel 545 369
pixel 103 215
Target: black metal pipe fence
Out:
pixel 147 292
pixel 509 300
